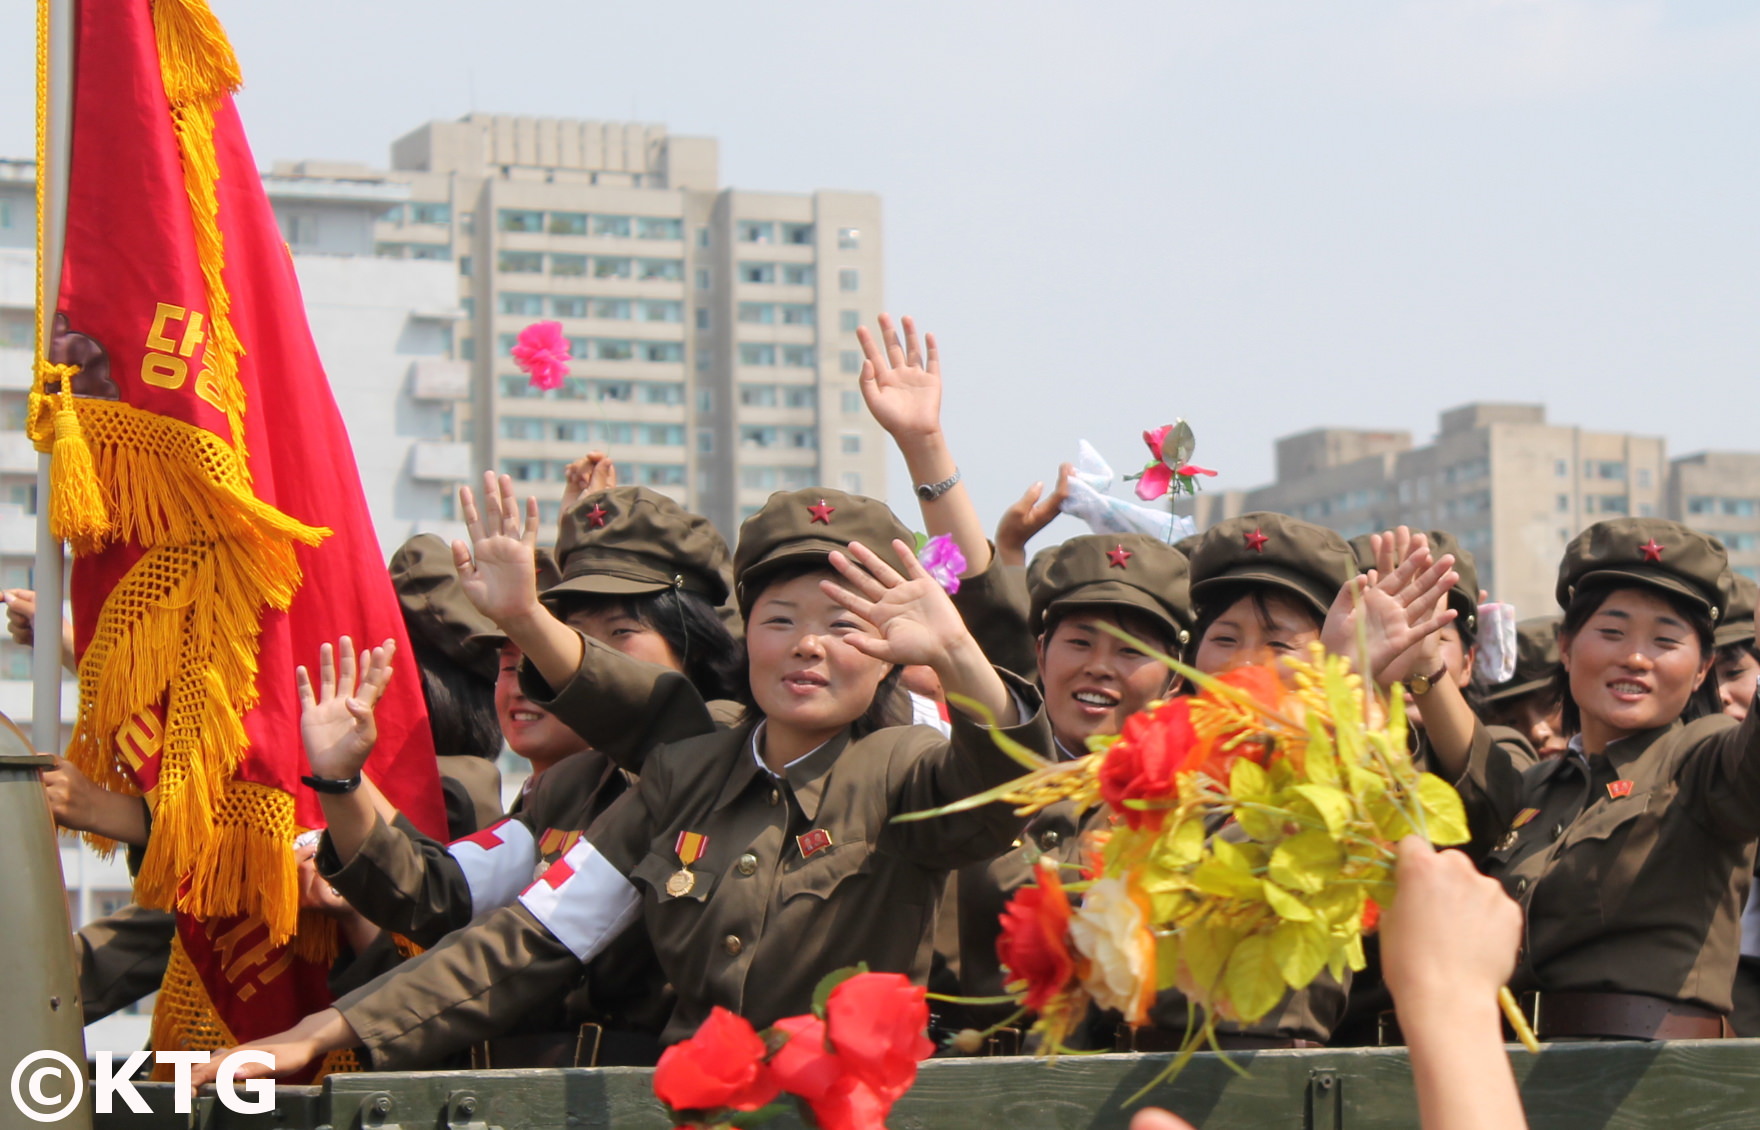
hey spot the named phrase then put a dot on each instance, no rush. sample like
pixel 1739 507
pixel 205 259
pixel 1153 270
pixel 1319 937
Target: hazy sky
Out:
pixel 1264 216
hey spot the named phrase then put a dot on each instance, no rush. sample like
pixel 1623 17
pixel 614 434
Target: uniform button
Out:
pixel 1049 840
pixel 732 945
pixel 747 864
pixel 1557 830
pixel 775 797
pixel 1521 886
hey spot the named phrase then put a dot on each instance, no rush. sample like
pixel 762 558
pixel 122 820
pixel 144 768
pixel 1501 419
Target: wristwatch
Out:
pixel 334 785
pixel 929 492
pixel 1421 684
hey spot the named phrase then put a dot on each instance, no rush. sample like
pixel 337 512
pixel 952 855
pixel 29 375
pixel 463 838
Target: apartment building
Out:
pixel 712 329
pixel 1719 492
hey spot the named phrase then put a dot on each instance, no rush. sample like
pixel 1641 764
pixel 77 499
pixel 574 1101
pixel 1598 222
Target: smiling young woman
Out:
pixel 1632 852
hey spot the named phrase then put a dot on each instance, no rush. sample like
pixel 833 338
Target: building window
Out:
pixel 1699 504
pixel 660 311
pixel 1643 478
pixel 1646 510
pixel 800 396
pixel 797 233
pixel 611 227
pixel 1561 468
pixel 659 227
pixel 1563 504
pixel 754 436
pixel 850 401
pixel 849 239
pixel 850 482
pixel 513 219
pixel 702 317
pixel 664 270
pixel 705 400
pixel 1738 507
pixel 757 313
pixel 751 354
pixel 662 392
pixel 849 321
pixel 757 274
pixel 568 307
pixel 802 438
pixel 797 274
pixel 755 231
pixel 427 213
pixel 757 396
pixel 609 349
pixel 524 470
pixel 849 280
pixel 467 349
pixel 522 427
pixel 702 237
pixel 849 361
pixel 798 356
pixel 1604 469
pixel 798 314
pixel 668 352
pixel 568 223
pixel 521 263
pixel 568 266
pixel 702 278
pixel 524 305
pixel 612 267
pixel 850 444
pixel 464 265
pixel 705 441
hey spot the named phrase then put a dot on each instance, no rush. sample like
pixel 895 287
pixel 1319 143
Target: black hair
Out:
pixel 461 704
pixel 1142 625
pixel 707 652
pixel 890 705
pixel 1702 703
pixel 1219 600
pixel 1729 651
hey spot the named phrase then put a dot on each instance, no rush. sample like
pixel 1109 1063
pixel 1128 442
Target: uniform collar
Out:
pixel 805 774
pixel 1620 753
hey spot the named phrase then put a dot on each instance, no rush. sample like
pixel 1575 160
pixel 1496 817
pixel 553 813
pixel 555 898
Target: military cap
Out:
pixel 1133 572
pixel 1536 659
pixel 1737 625
pixel 803 527
pixel 435 609
pixel 1186 545
pixel 1647 551
pixel 628 541
pixel 1307 561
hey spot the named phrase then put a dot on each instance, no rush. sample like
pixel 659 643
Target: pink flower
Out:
pixel 1159 476
pixel 942 558
pixel 542 352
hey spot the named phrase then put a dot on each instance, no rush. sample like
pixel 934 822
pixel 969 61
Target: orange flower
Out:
pixel 1034 943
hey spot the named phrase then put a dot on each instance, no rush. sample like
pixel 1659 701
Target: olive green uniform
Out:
pixel 1631 865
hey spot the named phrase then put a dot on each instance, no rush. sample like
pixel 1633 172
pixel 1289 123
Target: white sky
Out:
pixel 1264 216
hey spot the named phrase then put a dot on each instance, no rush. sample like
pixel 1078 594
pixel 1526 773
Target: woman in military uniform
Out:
pixel 759 858
pixel 1632 853
pixel 1527 701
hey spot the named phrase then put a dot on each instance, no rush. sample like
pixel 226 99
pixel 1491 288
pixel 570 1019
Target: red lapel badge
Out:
pixel 1617 789
pixel 813 842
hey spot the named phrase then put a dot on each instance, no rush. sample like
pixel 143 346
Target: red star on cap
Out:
pixel 1119 557
pixel 1256 541
pixel 1652 551
pixel 597 515
pixel 822 513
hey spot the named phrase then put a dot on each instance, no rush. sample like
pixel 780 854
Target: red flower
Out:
pixel 806 1066
pixel 877 1023
pixel 1145 763
pixel 722 1066
pixel 1034 943
pixel 1371 915
pixel 1159 476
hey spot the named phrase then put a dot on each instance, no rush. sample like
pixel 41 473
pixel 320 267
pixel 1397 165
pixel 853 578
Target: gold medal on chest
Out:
pixel 681 882
pixel 690 848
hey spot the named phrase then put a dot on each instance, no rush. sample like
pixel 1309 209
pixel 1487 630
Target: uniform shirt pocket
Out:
pixel 657 871
pixel 1604 822
pixel 820 874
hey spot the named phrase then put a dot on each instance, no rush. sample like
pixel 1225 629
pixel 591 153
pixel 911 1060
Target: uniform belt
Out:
pixel 1151 1039
pixel 1620 1016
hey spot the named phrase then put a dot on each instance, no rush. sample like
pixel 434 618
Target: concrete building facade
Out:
pixel 1512 486
pixel 712 329
pixel 1719 492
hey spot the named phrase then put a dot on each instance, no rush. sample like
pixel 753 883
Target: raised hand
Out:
pixel 902 382
pixel 916 621
pixel 1393 613
pixel 498 565
pixel 1029 515
pixel 591 473
pixel 336 723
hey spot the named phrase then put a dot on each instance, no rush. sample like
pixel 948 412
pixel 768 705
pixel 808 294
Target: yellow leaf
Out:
pixel 1444 816
pixel 1182 844
pixel 1353 952
pixel 1390 825
pixel 1305 862
pixel 1322 763
pixel 1246 781
pixel 1203 949
pixel 1259 824
pixel 1215 877
pixel 1286 905
pixel 1331 804
pixel 1253 982
pixel 1301 950
pixel 1337 903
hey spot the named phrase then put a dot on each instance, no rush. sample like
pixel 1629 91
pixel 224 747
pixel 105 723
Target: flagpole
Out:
pixel 48 571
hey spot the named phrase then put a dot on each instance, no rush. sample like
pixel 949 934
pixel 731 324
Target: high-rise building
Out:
pixel 1719 492
pixel 712 329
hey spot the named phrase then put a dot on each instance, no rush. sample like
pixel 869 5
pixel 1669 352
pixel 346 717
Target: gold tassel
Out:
pixel 77 512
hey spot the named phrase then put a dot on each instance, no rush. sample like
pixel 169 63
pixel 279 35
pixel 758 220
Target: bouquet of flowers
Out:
pixel 1251 848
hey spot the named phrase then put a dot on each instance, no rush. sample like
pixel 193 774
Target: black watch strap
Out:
pixel 332 784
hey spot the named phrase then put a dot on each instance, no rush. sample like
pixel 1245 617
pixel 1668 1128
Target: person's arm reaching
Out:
pixel 1029 515
pixel 1448 944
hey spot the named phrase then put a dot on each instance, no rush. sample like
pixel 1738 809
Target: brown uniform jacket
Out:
pixel 768 915
pixel 997 610
pixel 1632 865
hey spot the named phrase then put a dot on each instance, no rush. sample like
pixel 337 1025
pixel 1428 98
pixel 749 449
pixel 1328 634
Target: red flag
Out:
pixel 204 476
